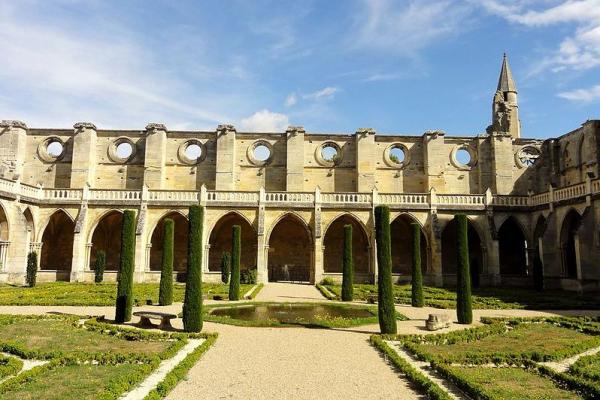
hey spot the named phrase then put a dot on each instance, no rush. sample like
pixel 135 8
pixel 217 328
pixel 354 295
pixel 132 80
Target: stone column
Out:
pixel 141 237
pixel 206 259
pixel 436 274
pixel 156 155
pixel 365 159
pixel 3 254
pixel 502 150
pixel 83 165
pixel 493 262
pixel 225 175
pixel 148 250
pixel 37 248
pixel 317 255
pixel 13 141
pixel 374 203
pixel 295 159
pixel 80 259
pixel 262 269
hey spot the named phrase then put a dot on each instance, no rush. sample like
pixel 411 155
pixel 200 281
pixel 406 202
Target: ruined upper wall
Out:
pixel 296 162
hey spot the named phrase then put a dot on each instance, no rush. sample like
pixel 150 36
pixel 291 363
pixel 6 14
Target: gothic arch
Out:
pixel 476 252
pixel 29 223
pixel 57 247
pixel 220 239
pixel 569 243
pixel 333 242
pixel 512 246
pixel 180 242
pixel 4 224
pixel 294 214
pixel 290 249
pixel 230 212
pixel 106 236
pixel 401 237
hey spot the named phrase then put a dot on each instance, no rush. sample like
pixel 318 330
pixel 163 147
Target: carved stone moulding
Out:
pixel 156 127
pixel 12 123
pixel 225 127
pixel 84 125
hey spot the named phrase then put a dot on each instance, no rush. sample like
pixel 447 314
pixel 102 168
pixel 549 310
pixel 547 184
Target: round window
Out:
pixel 397 155
pixel 55 149
pixel 121 150
pixel 193 151
pixel 463 157
pixel 527 156
pixel 124 150
pixel 261 153
pixel 330 153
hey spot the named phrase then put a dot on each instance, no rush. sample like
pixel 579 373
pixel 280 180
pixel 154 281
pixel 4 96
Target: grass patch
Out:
pixel 491 298
pixel 326 315
pixel 587 367
pixel 9 366
pixel 95 294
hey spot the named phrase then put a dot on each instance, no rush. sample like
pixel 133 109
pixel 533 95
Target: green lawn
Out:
pixel 485 298
pixel 9 366
pixel 587 367
pixel 91 294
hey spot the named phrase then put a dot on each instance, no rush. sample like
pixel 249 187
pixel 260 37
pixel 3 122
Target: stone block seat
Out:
pixel 147 316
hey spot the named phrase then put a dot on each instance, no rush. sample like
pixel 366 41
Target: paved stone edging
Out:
pixel 249 292
pixel 166 366
pixel 563 365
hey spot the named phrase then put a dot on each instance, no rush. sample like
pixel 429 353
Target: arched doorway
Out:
pixel 290 251
pixel 449 251
pixel 512 246
pixel 107 238
pixel 57 245
pixel 401 237
pixel 179 244
pixel 334 248
pixel 221 238
pixel 568 244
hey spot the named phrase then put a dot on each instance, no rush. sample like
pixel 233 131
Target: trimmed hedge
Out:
pixel 165 294
pixel 464 310
pixel 192 305
pixel 225 266
pixel 234 282
pixel 417 273
pixel 347 266
pixel 125 278
pixel 99 266
pixel 387 311
pixel 31 269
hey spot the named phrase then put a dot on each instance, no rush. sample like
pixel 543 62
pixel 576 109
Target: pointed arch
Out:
pixel 179 244
pixel 401 237
pixel 230 212
pixel 569 243
pixel 43 226
pixel 57 244
pixel 4 224
pixel 29 224
pixel 290 249
pixel 333 244
pixel 512 247
pixel 106 236
pixel 449 250
pixel 221 237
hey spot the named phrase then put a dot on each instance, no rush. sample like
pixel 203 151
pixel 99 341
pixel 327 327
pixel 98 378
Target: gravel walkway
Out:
pixel 283 292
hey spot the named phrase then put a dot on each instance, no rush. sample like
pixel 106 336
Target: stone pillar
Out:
pixel 3 254
pixel 501 151
pixel 13 141
pixel 225 175
pixel 206 259
pixel 155 156
pixel 262 248
pixel 435 159
pixel 374 203
pixel 141 237
pixel 365 159
pixel 317 254
pixel 83 165
pixel 295 159
pixel 148 250
pixel 436 274
pixel 37 248
pixel 493 262
pixel 80 258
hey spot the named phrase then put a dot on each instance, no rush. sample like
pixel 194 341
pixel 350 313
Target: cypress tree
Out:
pixel 192 305
pixel 125 277
pixel 417 273
pixel 99 266
pixel 31 277
pixel 386 309
pixel 165 294
pixel 463 276
pixel 234 282
pixel 347 266
pixel 225 266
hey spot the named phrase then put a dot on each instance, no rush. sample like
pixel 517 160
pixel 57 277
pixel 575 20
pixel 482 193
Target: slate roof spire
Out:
pixel 506 82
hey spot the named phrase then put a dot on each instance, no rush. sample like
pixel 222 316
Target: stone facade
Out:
pixel 62 192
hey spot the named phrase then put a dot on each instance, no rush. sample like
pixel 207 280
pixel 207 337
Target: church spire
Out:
pixel 505 106
pixel 506 82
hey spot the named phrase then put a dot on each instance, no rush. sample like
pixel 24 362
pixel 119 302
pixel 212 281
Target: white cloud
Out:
pixel 291 100
pixel 381 77
pixel 582 95
pixel 265 121
pixel 325 93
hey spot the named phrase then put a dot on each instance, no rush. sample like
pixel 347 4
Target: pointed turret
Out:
pixel 505 107
pixel 506 82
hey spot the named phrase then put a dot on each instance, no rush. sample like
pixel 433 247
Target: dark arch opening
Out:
pixel 57 245
pixel 334 247
pixel 221 238
pixel 179 244
pixel 290 249
pixel 401 237
pixel 513 248
pixel 568 239
pixel 107 237
pixel 449 251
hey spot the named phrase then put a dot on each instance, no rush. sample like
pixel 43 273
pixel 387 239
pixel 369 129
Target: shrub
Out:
pixel 234 282
pixel 225 266
pixel 387 312
pixel 464 310
pixel 417 273
pixel 328 281
pixel 31 269
pixel 248 276
pixel 192 305
pixel 165 294
pixel 347 265
pixel 125 277
pixel 99 266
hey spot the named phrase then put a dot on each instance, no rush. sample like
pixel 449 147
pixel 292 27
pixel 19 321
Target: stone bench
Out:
pixel 437 321
pixel 146 316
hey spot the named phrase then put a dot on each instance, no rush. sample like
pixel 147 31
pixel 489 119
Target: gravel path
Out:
pixel 283 292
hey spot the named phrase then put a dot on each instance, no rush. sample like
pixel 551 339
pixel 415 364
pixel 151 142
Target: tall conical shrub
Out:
pixel 165 294
pixel 99 266
pixel 225 266
pixel 127 264
pixel 347 266
pixel 464 310
pixel 234 281
pixel 387 311
pixel 192 305
pixel 31 277
pixel 417 273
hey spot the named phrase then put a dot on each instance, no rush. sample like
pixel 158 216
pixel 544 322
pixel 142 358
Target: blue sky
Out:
pixel 330 66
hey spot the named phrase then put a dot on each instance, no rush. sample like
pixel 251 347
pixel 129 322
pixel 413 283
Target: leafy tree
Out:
pixel 417 273
pixel 225 266
pixel 234 282
pixel 31 277
pixel 165 294
pixel 99 266
pixel 386 308
pixel 348 266
pixel 463 293
pixel 192 305
pixel 125 277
